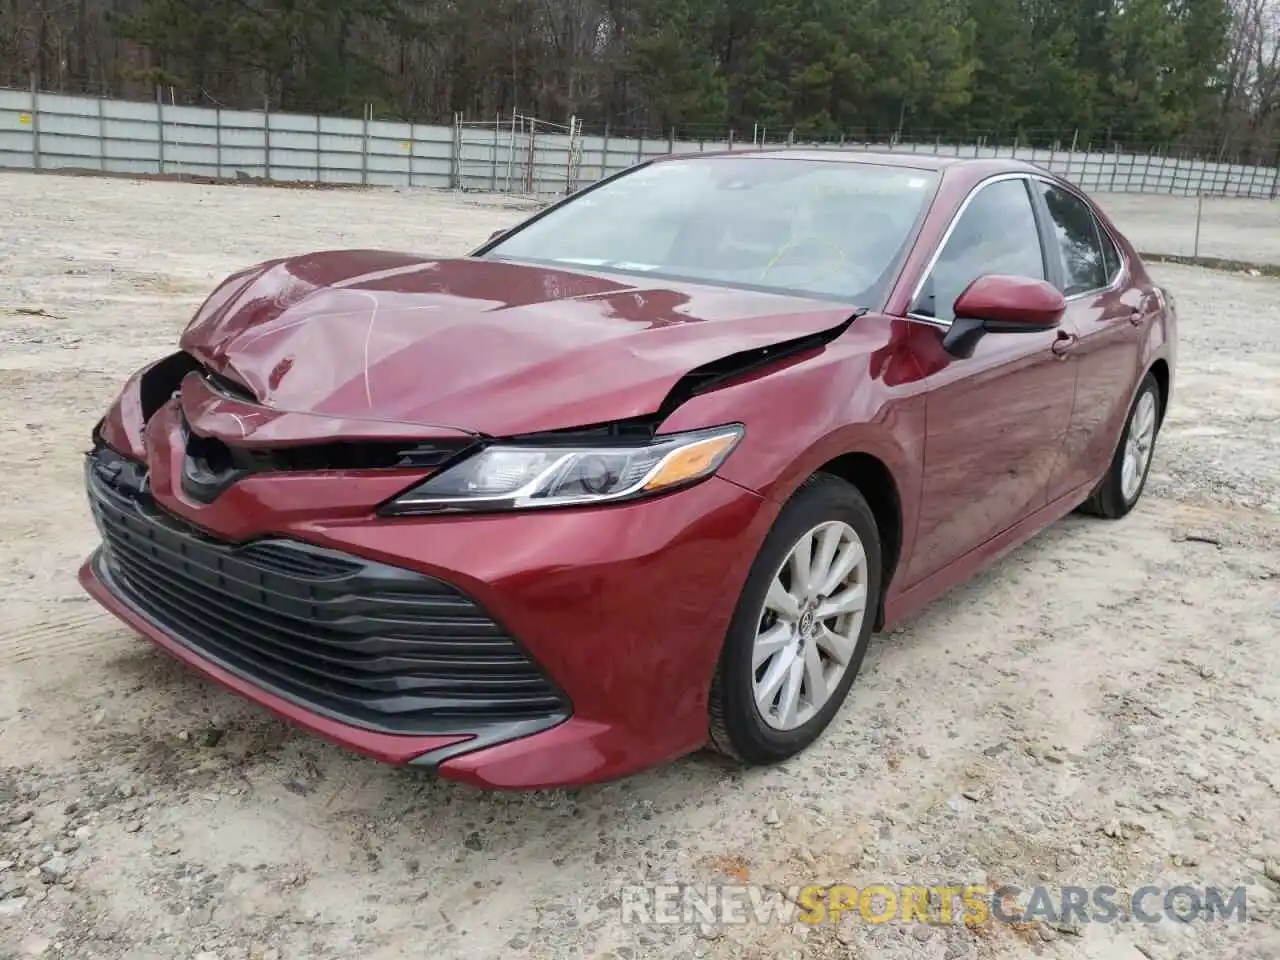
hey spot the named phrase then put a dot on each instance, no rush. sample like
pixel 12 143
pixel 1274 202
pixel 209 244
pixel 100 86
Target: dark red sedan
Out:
pixel 642 473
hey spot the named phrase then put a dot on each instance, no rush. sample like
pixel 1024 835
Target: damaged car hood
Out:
pixel 485 346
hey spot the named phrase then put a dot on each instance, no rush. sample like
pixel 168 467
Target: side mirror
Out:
pixel 1002 304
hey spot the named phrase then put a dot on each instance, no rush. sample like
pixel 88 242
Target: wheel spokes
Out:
pixel 797 660
pixel 773 640
pixel 815 678
pixel 1146 416
pixel 802 567
pixel 778 671
pixel 789 702
pixel 828 545
pixel 844 564
pixel 781 602
pixel 836 646
pixel 852 599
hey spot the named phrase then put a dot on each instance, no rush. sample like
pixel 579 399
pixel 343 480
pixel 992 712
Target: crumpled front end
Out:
pixel 532 649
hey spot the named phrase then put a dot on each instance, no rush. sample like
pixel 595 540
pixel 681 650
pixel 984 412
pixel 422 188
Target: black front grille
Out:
pixel 211 465
pixel 373 645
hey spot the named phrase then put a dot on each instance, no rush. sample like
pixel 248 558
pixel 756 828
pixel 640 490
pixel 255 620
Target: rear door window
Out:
pixel 1083 261
pixel 1110 255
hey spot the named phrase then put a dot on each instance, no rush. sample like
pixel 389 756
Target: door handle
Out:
pixel 1062 346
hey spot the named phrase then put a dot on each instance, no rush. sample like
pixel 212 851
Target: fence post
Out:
pixel 35 124
pixel 364 146
pixel 160 128
pixel 217 139
pixel 102 137
pixel 640 147
pixel 511 152
pixel 1195 248
pixel 320 163
pixel 604 153
pixel 455 153
pixel 731 140
pixel 568 160
pixel 530 184
pixel 493 165
pixel 266 136
pixel 671 141
pixel 413 146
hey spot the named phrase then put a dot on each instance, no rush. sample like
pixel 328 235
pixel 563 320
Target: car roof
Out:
pixel 976 166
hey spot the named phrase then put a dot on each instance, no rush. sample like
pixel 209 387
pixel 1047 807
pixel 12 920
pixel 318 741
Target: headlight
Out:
pixel 510 477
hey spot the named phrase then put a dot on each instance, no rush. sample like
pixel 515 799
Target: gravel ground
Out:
pixel 1111 711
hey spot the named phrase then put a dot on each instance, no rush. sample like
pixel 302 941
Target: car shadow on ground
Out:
pixel 176 725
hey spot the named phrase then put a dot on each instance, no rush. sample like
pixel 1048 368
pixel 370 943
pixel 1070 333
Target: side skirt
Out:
pixel 911 600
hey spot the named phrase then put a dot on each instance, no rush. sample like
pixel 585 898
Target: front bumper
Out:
pixel 591 636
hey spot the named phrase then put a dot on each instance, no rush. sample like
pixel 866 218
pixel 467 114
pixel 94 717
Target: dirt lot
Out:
pixel 1230 228
pixel 1103 707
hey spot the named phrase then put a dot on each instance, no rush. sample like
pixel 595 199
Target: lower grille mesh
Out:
pixel 372 645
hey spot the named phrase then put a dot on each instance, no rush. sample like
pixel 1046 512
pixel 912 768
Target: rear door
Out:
pixel 1109 315
pixel 996 420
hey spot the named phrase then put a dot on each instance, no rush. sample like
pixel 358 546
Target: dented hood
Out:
pixel 485 346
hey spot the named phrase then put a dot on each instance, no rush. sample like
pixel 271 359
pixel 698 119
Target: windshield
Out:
pixel 817 228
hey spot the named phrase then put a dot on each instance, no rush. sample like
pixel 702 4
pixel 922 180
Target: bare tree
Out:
pixel 1251 78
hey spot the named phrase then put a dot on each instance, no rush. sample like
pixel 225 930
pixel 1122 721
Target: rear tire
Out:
pixel 793 649
pixel 1126 478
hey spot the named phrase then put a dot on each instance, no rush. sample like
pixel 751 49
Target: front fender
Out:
pixel 802 414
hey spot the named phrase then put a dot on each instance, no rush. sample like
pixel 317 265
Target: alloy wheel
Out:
pixel 809 625
pixel 1138 446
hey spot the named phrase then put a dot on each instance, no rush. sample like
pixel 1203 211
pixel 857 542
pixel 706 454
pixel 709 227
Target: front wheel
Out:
pixel 1126 478
pixel 801 626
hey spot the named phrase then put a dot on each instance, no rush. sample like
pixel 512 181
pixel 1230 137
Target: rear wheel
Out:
pixel 801 626
pixel 1126 478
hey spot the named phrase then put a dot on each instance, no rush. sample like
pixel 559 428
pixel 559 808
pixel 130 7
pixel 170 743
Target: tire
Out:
pixel 1113 498
pixel 824 507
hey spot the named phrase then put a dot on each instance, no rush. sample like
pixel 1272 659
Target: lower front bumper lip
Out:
pixel 522 755
pixel 386 747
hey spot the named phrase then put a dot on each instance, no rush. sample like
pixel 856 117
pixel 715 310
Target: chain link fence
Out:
pixel 1174 205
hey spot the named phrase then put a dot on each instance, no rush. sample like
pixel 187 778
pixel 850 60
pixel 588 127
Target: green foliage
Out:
pixel 1138 71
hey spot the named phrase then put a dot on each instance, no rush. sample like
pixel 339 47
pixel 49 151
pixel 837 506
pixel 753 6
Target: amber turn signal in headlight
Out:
pixel 513 477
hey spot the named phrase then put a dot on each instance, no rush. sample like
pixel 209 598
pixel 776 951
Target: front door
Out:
pixel 996 421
